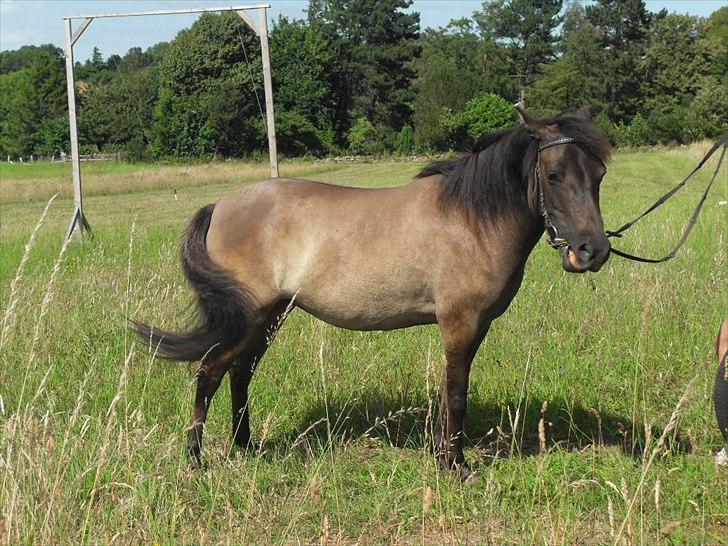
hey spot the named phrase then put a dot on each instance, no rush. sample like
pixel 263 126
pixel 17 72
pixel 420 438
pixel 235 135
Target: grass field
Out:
pixel 616 366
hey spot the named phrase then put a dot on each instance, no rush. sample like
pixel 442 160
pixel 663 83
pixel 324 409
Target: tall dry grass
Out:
pixel 150 177
pixel 589 418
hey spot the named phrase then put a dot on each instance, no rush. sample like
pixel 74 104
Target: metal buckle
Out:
pixel 557 242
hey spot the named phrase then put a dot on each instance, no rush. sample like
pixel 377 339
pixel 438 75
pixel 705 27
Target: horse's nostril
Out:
pixel 585 253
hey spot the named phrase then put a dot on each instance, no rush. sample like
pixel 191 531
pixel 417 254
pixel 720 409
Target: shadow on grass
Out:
pixel 407 422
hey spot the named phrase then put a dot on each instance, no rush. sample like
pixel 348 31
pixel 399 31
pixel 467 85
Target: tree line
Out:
pixel 359 76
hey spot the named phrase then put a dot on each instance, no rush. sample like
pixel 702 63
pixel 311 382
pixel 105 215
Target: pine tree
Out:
pixel 527 27
pixel 576 79
pixel 676 63
pixel 455 65
pixel 623 27
pixel 375 42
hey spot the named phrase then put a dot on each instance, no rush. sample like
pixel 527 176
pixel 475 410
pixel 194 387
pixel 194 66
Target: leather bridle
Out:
pixel 554 240
pixel 558 242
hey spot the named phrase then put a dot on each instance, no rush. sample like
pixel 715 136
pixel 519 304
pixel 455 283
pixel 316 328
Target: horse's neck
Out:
pixel 515 234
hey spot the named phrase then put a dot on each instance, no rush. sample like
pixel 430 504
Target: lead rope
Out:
pixel 721 142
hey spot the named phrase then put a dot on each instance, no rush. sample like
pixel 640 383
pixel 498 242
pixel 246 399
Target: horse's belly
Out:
pixel 367 302
pixel 369 317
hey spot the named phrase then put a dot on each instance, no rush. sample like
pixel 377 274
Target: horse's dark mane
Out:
pixel 495 173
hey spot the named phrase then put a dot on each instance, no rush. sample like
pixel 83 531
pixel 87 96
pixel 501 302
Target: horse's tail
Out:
pixel 223 305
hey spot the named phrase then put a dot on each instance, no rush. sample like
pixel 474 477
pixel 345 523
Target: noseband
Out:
pixel 554 240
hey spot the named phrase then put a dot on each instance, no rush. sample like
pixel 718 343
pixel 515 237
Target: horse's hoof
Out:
pixel 466 474
pixel 195 459
pixel 462 470
pixel 244 449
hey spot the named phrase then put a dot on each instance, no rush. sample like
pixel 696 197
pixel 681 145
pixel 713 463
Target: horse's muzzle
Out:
pixel 589 255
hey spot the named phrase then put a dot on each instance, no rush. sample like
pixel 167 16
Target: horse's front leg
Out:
pixel 462 335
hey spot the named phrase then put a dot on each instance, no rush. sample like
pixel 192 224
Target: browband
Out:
pixel 563 140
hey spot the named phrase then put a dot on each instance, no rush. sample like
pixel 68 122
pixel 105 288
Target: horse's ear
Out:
pixel 527 119
pixel 584 113
pixel 536 127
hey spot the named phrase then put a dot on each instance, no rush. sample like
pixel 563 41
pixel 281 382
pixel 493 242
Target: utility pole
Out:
pixel 521 90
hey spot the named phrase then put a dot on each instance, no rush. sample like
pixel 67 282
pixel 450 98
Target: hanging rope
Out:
pixel 250 72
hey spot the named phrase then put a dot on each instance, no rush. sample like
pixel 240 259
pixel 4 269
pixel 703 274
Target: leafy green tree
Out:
pixel 112 63
pixel 576 78
pixel 455 65
pixel 365 139
pixel 116 113
pixel 93 68
pixel 156 52
pixel 676 63
pixel 32 97
pixel 304 78
pixel 10 61
pixel 481 115
pixel 296 135
pixel 714 32
pixel 12 88
pixel 636 133
pixel 135 59
pixel 574 17
pixel 52 136
pixel 404 143
pixel 708 110
pixel 527 27
pixel 210 90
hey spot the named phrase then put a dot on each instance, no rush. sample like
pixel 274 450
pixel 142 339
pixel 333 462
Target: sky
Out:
pixel 24 22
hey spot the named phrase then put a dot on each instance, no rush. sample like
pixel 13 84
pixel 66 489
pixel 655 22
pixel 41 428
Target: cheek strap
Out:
pixel 553 240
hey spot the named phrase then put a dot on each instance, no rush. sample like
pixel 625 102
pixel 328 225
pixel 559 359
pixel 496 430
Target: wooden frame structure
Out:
pixel 79 224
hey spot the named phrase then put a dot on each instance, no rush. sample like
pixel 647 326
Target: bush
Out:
pixel 296 135
pixel 634 134
pixel 364 139
pixel 705 117
pixel 454 130
pixel 668 126
pixel 404 142
pixel 481 115
pixel 135 150
pixel 708 111
pixel 606 126
pixel 53 136
pixel 488 112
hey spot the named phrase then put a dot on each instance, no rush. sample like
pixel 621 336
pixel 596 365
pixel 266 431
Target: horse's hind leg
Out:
pixel 241 372
pixel 209 377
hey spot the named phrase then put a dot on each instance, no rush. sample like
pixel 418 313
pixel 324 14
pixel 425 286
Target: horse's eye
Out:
pixel 552 177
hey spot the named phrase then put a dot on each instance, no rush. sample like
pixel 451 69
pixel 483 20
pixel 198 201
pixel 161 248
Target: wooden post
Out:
pixel 522 91
pixel 78 219
pixel 267 84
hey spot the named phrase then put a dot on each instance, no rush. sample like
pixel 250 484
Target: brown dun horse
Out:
pixel 448 248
